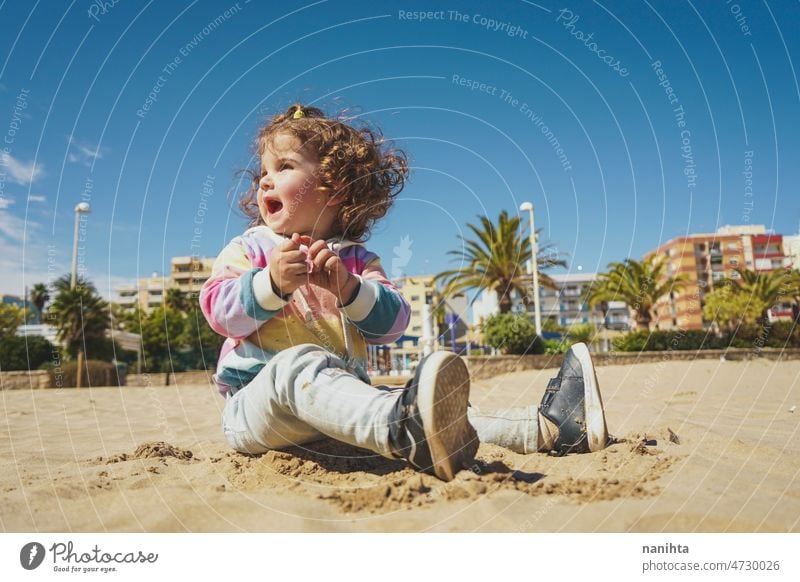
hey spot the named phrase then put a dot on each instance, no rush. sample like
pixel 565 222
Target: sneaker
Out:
pixel 573 404
pixel 429 426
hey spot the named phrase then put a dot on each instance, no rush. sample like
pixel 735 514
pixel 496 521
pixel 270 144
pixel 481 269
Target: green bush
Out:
pixel 24 353
pixel 512 334
pixel 100 374
pixel 554 346
pixel 583 332
pixel 777 335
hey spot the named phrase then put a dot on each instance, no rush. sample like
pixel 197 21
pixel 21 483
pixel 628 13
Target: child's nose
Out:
pixel 265 183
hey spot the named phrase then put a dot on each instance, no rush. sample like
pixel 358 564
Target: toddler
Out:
pixel 299 297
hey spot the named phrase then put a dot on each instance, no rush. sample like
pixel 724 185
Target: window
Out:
pixel 415 298
pixel 417 329
pixel 763 264
pixel 732 246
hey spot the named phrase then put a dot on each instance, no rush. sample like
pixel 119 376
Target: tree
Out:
pixel 639 284
pixel 176 299
pixel 768 289
pixel 494 260
pixel 39 296
pixel 79 314
pixel 24 353
pixel 512 334
pixel 749 296
pixel 202 344
pixel 11 317
pixel 728 306
pixel 161 332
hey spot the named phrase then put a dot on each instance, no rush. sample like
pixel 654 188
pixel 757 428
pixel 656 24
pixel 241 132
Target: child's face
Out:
pixel 289 197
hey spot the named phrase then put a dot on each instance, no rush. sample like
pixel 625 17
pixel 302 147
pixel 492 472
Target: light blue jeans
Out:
pixel 306 393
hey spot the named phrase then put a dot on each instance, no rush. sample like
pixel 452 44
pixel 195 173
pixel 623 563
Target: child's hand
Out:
pixel 328 271
pixel 287 266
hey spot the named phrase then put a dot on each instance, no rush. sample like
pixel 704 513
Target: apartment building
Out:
pixel 187 274
pixel 148 293
pixel 417 291
pixel 421 290
pixel 791 248
pixel 706 259
pixel 565 305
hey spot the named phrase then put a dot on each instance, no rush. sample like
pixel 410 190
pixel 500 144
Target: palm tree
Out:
pixel 770 287
pixel 80 314
pixel 494 261
pixel 639 284
pixel 39 295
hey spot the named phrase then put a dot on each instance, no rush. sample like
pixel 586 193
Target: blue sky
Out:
pixel 76 121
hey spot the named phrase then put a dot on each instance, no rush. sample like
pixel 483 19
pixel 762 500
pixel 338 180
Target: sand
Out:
pixel 154 459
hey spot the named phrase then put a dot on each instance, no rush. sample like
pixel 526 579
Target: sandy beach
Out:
pixel 154 459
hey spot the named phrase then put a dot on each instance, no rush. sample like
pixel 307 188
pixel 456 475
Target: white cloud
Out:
pixel 16 273
pixel 35 198
pixel 21 172
pixel 5 202
pixel 83 152
pixel 13 228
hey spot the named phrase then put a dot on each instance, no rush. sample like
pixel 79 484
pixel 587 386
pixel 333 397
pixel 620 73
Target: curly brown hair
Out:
pixel 354 163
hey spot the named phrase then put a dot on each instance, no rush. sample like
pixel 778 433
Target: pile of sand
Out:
pixel 702 446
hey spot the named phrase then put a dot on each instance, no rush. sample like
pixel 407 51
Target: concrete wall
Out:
pixel 480 367
pixel 39 379
pixel 160 379
pixel 24 380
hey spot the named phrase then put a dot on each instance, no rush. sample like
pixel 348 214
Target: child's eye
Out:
pixel 286 166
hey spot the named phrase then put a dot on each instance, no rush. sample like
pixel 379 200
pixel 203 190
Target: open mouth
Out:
pixel 274 206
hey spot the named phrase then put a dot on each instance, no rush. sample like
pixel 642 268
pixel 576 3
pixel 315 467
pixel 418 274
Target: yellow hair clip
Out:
pixel 298 114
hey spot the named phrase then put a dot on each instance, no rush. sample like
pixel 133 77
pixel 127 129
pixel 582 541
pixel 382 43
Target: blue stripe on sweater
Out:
pixel 248 298
pixel 382 316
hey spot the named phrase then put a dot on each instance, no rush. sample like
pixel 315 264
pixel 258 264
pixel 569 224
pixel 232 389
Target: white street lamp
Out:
pixel 537 314
pixel 81 208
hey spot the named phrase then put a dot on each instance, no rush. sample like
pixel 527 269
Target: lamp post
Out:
pixel 537 314
pixel 81 208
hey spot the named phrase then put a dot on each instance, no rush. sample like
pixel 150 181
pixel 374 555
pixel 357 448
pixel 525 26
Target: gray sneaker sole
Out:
pixel 443 398
pixel 596 429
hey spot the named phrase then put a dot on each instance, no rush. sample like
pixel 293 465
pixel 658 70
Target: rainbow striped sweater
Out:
pixel 239 303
